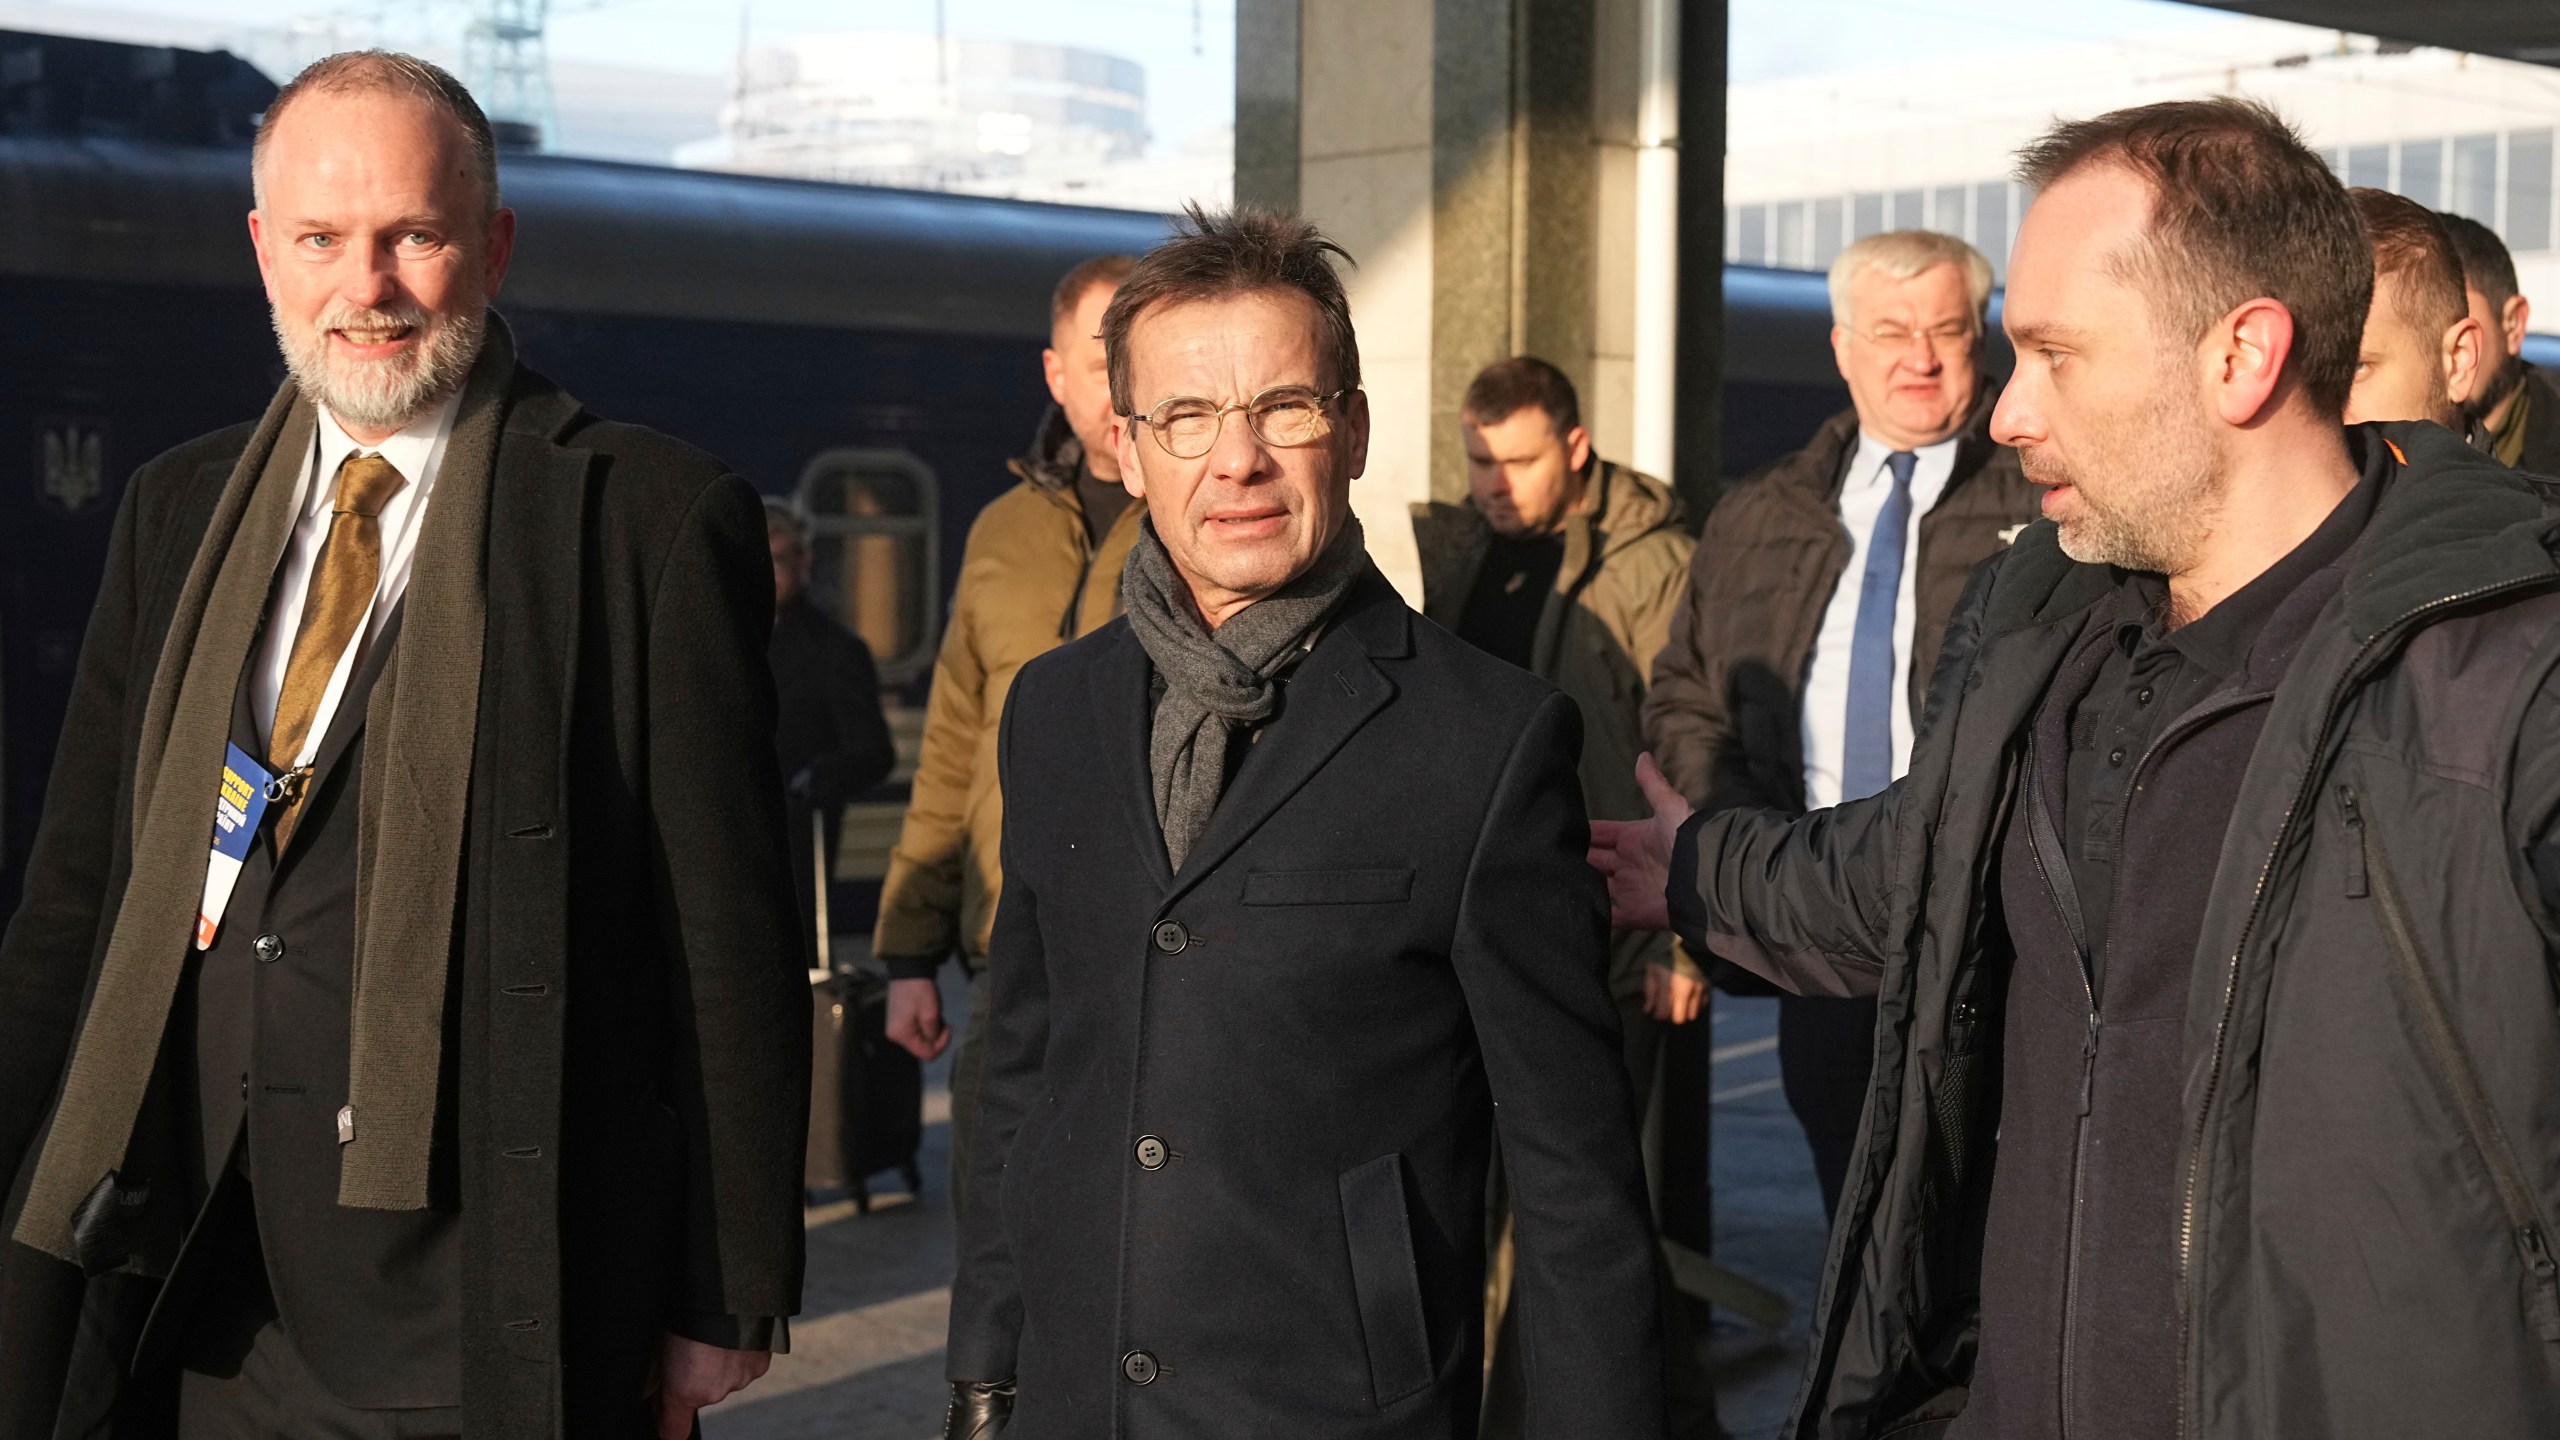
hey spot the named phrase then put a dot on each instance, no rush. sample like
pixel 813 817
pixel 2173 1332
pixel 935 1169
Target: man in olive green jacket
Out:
pixel 1042 567
pixel 1571 567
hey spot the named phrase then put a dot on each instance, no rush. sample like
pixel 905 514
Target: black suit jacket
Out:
pixel 629 1131
pixel 1236 1120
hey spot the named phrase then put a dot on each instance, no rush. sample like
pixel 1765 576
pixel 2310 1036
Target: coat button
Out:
pixel 1139 1366
pixel 1171 938
pixel 270 948
pixel 1151 1153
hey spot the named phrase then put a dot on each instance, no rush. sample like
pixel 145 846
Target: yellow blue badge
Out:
pixel 238 805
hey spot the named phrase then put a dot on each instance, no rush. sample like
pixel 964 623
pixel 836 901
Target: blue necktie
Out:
pixel 1866 756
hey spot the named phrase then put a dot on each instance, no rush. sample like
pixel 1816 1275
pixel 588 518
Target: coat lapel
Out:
pixel 1124 720
pixel 1335 691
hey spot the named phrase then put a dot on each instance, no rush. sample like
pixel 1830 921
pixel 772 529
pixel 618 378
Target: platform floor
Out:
pixel 866 1361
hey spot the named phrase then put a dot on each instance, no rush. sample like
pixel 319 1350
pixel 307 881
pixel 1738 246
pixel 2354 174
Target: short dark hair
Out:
pixel 2486 265
pixel 1507 387
pixel 2410 242
pixel 391 72
pixel 2240 209
pixel 1100 270
pixel 1235 252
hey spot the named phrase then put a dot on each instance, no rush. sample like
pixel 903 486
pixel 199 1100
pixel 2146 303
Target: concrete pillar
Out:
pixel 1479 159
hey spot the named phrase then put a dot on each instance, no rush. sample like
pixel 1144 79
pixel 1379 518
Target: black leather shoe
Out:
pixel 978 1410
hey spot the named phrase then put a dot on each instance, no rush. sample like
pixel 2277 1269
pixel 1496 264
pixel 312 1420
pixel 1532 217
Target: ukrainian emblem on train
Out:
pixel 71 462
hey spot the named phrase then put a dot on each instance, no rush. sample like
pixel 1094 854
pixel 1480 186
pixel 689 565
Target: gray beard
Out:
pixel 382 395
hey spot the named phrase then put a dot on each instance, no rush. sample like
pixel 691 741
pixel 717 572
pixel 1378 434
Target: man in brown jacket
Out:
pixel 1570 567
pixel 1796 666
pixel 1042 567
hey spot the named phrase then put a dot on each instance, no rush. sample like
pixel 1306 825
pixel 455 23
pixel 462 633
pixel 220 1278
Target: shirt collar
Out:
pixel 410 451
pixel 1868 467
pixel 2220 640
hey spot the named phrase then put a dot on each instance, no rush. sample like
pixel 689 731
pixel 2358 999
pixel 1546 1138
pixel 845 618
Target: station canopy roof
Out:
pixel 2515 29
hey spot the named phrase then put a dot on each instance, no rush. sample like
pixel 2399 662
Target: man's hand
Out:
pixel 915 1018
pixel 692 1375
pixel 1671 996
pixel 1635 855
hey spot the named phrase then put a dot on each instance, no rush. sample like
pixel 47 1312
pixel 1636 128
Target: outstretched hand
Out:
pixel 1635 855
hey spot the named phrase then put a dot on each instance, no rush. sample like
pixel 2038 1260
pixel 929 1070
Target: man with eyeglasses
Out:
pixel 1295 915
pixel 1817 598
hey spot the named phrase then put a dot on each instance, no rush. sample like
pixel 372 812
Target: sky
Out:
pixel 1778 39
pixel 1187 46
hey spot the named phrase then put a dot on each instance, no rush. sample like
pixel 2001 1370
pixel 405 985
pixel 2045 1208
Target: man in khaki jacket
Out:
pixel 1571 567
pixel 1042 567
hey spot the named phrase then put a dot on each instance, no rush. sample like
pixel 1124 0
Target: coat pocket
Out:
pixel 1384 1280
pixel 1328 887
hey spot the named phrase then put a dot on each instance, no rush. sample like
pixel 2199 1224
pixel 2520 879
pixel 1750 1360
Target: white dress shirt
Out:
pixel 1826 686
pixel 417 452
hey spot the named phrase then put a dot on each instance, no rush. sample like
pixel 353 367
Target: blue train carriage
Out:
pixel 872 351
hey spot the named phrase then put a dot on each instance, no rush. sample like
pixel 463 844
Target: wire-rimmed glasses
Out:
pixel 1284 415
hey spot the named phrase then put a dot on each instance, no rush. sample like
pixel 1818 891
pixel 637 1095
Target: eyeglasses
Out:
pixel 1284 415
pixel 1953 335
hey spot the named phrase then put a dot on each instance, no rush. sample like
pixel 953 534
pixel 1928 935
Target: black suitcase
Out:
pixel 879 1093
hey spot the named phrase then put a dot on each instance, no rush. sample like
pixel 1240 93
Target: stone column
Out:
pixel 1478 159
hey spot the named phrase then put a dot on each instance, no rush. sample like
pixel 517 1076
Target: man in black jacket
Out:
pixel 442 1097
pixel 2213 925
pixel 829 735
pixel 1784 657
pixel 1292 899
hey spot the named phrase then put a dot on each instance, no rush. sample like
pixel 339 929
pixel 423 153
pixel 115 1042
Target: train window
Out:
pixel 1946 209
pixel 2422 172
pixel 1866 216
pixel 873 544
pixel 1991 224
pixel 2474 188
pixel 2529 191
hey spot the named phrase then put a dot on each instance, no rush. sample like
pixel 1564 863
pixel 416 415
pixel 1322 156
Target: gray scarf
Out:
pixel 1216 683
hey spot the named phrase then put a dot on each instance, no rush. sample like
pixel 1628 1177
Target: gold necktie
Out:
pixel 342 585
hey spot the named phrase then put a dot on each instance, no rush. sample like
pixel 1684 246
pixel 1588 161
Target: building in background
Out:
pixel 985 117
pixel 1818 161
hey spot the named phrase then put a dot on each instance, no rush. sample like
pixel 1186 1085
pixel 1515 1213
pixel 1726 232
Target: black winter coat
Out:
pixel 1236 1121
pixel 2369 1164
pixel 627 960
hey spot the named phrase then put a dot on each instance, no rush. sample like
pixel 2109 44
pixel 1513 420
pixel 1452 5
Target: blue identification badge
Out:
pixel 238 805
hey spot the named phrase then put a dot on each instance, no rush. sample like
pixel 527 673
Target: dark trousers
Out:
pixel 1826 1051
pixel 968 1081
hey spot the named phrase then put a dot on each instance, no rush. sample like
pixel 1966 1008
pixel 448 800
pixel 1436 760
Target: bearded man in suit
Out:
pixel 443 1096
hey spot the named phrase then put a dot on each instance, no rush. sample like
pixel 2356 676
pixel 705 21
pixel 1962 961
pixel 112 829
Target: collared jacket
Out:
pixel 1030 580
pixel 1625 570
pixel 629 1134
pixel 2369 1159
pixel 2531 440
pixel 1725 716
pixel 1238 1117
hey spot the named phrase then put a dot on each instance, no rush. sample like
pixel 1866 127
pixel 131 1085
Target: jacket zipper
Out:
pixel 2178 728
pixel 2040 837
pixel 2460 1078
pixel 1088 549
pixel 2198 1169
